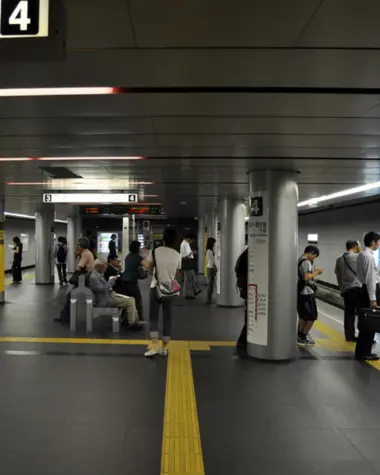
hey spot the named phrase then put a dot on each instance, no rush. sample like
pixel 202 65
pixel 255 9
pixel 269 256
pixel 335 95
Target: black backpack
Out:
pixel 302 283
pixel 61 255
pixel 241 270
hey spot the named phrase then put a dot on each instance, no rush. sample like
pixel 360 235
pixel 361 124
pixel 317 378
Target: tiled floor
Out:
pixel 98 409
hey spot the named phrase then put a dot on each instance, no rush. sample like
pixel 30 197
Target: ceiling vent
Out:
pixel 59 173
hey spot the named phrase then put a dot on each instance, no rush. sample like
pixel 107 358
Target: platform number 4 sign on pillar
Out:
pixel 24 18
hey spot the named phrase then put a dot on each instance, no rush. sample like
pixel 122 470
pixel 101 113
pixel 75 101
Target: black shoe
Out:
pixel 61 284
pixel 371 357
pixel 352 339
pixel 189 298
pixel 198 292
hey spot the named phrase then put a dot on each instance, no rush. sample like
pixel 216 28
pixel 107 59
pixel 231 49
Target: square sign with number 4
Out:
pixel 24 18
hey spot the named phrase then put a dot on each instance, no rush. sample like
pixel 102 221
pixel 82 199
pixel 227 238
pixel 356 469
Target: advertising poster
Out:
pixel 24 238
pixel 103 240
pixel 258 275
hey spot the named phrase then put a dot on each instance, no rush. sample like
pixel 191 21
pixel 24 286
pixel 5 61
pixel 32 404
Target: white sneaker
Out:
pixel 163 351
pixel 152 352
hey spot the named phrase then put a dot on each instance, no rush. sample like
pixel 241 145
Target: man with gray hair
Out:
pixel 105 296
pixel 86 258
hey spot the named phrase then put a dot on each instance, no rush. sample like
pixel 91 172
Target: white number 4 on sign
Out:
pixel 20 16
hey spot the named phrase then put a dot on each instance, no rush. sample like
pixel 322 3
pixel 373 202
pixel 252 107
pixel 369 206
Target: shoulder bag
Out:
pixel 165 291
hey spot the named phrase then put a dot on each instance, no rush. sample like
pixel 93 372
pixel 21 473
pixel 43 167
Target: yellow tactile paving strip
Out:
pixel 181 442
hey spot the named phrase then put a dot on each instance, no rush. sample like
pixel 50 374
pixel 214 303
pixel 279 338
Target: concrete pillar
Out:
pixel 73 235
pixel 2 252
pixel 211 218
pixel 272 255
pixel 201 244
pixel 125 243
pixel 230 234
pixel 45 244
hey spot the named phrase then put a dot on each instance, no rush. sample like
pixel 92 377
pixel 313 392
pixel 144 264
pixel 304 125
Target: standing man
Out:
pixel 350 286
pixel 187 256
pixel 306 301
pixel 367 274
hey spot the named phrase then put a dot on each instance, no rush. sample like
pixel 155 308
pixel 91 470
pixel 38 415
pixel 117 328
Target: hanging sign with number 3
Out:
pixel 24 18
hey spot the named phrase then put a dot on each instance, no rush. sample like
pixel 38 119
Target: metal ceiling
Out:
pixel 200 145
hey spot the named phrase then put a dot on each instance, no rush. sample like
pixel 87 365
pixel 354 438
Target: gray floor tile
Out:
pixel 366 442
pixel 332 468
pixel 359 417
pixel 317 445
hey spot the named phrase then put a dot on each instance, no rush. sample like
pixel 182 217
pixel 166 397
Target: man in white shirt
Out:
pixel 368 276
pixel 188 264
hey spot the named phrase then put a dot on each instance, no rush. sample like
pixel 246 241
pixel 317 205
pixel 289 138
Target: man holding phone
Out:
pixel 368 276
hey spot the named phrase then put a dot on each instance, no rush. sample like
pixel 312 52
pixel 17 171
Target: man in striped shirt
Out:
pixel 366 269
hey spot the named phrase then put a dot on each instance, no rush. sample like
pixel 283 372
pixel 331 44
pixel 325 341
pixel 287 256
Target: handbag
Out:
pixel 188 263
pixel 142 273
pixel 165 291
pixel 369 320
pixel 74 279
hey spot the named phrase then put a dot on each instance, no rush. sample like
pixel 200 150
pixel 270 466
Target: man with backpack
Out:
pixel 60 255
pixel 350 286
pixel 306 301
pixel 241 270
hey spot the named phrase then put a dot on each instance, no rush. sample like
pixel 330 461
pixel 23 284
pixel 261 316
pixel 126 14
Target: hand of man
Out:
pixel 373 304
pixel 319 271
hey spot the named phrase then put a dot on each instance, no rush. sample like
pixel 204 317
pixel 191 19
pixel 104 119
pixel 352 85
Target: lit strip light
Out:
pixel 58 91
pixel 29 216
pixel 340 194
pixel 63 159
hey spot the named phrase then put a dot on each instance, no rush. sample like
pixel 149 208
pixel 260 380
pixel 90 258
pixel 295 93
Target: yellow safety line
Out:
pixel 24 277
pixel 181 442
pixel 340 342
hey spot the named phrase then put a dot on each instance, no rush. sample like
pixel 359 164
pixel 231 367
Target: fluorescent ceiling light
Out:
pixel 57 91
pixel 340 194
pixel 69 183
pixel 29 216
pixel 86 158
pixel 15 159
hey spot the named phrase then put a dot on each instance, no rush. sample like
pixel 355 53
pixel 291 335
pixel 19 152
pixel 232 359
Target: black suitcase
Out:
pixel 369 320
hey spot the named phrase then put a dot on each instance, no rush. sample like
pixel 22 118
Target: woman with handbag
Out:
pixel 133 272
pixel 211 268
pixel 165 263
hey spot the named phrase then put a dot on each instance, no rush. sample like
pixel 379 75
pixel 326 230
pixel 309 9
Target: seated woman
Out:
pixel 105 296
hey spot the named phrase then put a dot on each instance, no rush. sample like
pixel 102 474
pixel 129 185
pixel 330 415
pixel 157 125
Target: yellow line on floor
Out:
pixel 181 442
pixel 24 277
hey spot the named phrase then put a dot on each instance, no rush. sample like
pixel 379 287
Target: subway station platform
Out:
pixel 78 404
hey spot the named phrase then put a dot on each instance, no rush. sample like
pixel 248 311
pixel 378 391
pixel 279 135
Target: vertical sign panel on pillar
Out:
pixel 258 275
pixel 217 256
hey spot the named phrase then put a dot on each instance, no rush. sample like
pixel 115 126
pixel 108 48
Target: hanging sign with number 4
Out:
pixel 24 18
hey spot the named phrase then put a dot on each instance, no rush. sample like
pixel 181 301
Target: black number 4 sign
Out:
pixel 256 206
pixel 19 17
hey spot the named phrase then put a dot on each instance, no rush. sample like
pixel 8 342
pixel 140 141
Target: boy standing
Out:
pixel 306 301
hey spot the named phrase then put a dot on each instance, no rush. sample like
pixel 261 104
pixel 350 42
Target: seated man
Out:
pixel 105 296
pixel 114 270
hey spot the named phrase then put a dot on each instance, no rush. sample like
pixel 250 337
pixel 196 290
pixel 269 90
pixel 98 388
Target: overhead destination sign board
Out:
pixel 24 18
pixel 90 198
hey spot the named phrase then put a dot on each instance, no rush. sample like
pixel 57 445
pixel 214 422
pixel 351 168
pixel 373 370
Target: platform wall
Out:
pixel 334 228
pixel 16 227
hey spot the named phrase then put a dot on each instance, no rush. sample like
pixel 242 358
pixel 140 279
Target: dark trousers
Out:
pixel 61 268
pixel 211 275
pixel 154 312
pixel 132 289
pixel 16 271
pixel 242 341
pixel 365 338
pixel 351 309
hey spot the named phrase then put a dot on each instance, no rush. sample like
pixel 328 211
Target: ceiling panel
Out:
pixel 188 23
pixel 331 68
pixel 344 24
pixel 96 23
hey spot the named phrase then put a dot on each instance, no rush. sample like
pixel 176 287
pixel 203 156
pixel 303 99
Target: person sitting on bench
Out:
pixel 105 296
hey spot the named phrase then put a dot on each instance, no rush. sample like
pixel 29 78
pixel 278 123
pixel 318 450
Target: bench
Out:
pixel 91 310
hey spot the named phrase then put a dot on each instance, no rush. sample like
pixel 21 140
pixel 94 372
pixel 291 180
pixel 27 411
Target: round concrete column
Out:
pixel 272 276
pixel 231 239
